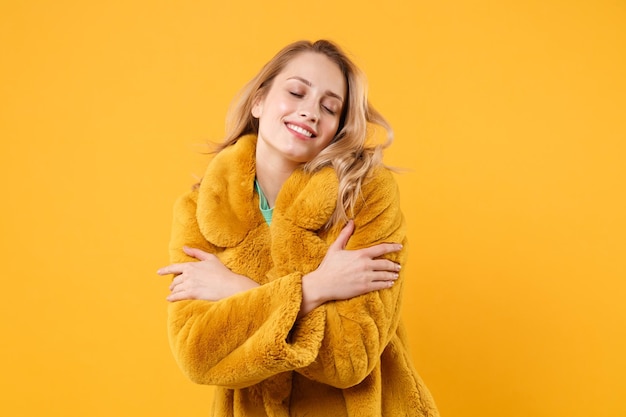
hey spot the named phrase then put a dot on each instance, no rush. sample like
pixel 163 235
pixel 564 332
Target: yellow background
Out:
pixel 510 116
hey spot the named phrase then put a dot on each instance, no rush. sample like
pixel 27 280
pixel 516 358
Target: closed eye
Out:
pixel 293 93
pixel 329 110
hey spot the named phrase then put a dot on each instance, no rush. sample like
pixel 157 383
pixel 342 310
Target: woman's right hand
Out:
pixel 345 274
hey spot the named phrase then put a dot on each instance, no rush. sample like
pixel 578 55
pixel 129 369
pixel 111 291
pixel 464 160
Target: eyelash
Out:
pixel 331 112
pixel 327 109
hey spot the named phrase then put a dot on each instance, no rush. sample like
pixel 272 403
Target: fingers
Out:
pixel 383 274
pixel 342 240
pixel 381 281
pixel 171 269
pixel 182 286
pixel 381 285
pixel 385 265
pixel 196 253
pixel 179 268
pixel 179 296
pixel 174 297
pixel 381 249
pixel 386 276
pixel 180 290
pixel 176 281
pixel 371 252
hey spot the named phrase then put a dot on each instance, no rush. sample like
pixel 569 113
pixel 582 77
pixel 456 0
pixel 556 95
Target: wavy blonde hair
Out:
pixel 349 153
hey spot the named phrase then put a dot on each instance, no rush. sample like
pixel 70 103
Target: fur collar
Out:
pixel 228 206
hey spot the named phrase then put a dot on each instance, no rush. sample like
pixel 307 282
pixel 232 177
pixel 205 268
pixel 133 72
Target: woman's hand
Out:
pixel 345 274
pixel 207 279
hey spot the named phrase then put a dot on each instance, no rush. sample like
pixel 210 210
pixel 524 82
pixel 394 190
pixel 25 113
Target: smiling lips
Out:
pixel 301 130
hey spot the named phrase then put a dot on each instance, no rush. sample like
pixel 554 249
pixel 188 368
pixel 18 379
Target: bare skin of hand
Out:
pixel 207 279
pixel 345 274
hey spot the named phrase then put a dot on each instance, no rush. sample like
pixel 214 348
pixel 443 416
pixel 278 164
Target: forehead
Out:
pixel 317 69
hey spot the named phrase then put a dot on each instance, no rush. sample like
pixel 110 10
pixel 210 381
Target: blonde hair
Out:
pixel 348 153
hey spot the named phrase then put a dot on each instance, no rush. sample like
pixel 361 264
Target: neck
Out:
pixel 271 173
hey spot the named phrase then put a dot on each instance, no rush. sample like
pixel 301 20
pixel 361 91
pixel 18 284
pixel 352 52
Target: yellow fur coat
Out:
pixel 345 358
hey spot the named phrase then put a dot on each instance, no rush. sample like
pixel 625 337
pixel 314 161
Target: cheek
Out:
pixel 281 104
pixel 284 106
pixel 273 114
pixel 331 127
pixel 276 106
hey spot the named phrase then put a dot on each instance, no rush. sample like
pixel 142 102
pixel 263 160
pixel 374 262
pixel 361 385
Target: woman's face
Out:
pixel 299 115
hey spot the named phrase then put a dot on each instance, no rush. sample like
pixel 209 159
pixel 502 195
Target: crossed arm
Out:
pixel 343 274
pixel 225 329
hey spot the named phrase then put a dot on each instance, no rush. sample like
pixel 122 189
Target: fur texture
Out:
pixel 345 358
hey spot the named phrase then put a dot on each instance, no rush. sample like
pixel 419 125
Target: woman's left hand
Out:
pixel 207 279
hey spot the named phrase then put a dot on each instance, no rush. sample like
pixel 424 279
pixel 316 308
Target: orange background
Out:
pixel 510 116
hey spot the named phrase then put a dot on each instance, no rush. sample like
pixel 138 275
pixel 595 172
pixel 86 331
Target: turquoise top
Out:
pixel 266 211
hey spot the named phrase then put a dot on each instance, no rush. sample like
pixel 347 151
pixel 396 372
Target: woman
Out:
pixel 287 256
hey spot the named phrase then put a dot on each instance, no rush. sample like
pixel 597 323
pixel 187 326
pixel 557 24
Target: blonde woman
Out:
pixel 287 257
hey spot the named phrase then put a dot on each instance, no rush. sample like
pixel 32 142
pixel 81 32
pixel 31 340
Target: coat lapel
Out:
pixel 228 207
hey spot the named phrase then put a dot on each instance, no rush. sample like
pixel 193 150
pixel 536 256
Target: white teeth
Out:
pixel 299 130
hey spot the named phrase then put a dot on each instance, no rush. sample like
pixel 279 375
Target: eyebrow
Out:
pixel 307 82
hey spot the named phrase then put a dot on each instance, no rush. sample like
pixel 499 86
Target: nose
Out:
pixel 308 112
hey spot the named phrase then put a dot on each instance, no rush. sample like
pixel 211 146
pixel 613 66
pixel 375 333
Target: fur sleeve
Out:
pixel 241 340
pixel 357 330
